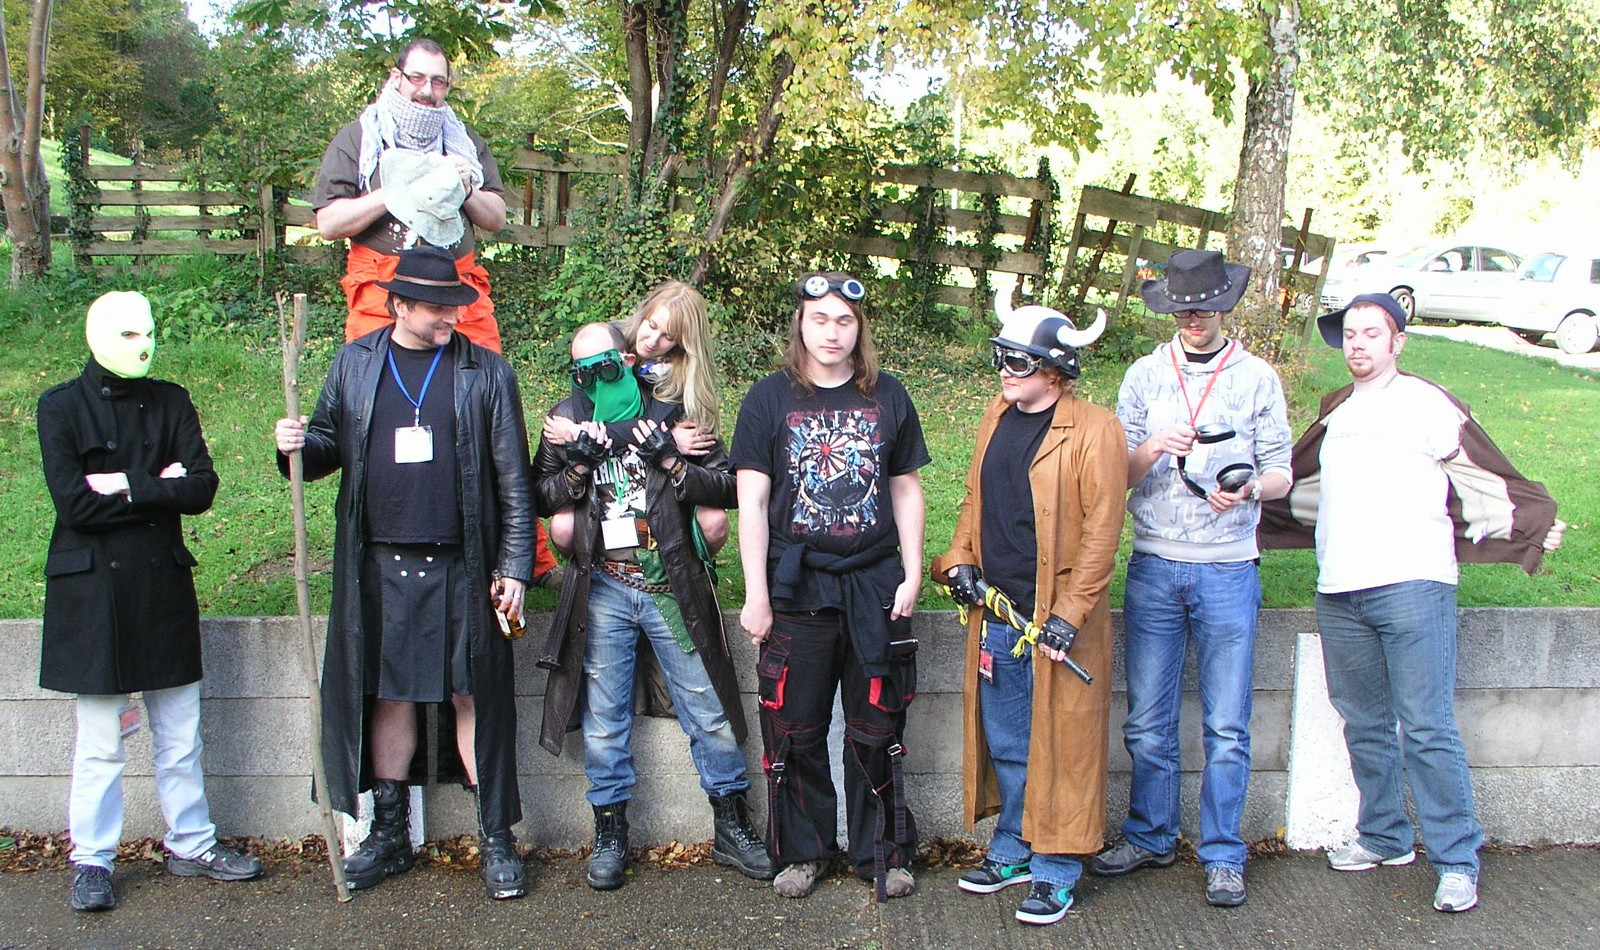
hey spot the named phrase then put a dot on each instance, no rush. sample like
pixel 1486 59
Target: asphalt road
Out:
pixel 1531 900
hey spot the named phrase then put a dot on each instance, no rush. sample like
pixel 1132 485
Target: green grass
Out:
pixel 1542 415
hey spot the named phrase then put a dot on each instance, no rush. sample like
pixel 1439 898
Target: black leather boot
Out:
pixel 610 857
pixel 500 864
pixel 738 844
pixel 387 849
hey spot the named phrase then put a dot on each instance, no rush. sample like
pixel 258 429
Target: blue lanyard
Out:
pixel 416 404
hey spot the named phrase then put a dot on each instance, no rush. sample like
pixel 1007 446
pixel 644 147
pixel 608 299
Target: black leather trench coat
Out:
pixel 497 526
pixel 708 482
pixel 119 611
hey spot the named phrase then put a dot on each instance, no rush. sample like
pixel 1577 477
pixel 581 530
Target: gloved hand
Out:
pixel 963 580
pixel 659 448
pixel 1057 634
pixel 587 451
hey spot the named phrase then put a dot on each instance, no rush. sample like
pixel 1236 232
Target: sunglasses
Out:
pixel 606 368
pixel 1013 363
pixel 817 286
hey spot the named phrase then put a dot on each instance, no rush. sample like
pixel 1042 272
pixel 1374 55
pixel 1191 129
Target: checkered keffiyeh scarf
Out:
pixel 395 120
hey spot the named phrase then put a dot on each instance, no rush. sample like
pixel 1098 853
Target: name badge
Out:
pixel 413 444
pixel 619 533
pixel 986 664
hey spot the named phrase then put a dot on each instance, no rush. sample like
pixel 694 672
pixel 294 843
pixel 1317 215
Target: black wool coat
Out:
pixel 709 481
pixel 497 526
pixel 120 613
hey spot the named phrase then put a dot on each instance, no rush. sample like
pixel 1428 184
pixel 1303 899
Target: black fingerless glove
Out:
pixel 587 450
pixel 964 584
pixel 1057 634
pixel 659 448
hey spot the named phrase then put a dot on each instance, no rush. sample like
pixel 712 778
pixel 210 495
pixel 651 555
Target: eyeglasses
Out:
pixel 439 83
pixel 606 368
pixel 1196 314
pixel 817 286
pixel 1014 363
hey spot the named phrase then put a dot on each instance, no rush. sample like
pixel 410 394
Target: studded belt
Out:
pixel 632 575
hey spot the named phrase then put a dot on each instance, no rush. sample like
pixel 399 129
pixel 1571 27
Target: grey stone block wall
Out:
pixel 1529 686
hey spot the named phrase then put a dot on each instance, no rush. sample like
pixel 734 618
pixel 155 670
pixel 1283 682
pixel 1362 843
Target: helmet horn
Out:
pixel 1002 304
pixel 1078 339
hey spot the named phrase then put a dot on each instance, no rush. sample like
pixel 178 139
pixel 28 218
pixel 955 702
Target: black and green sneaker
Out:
pixel 991 876
pixel 1045 904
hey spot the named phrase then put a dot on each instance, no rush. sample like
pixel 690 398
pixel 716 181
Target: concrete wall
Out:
pixel 1529 692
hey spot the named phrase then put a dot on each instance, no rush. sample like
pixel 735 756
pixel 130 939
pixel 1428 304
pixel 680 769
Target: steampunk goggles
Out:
pixel 817 286
pixel 604 367
pixel 1014 363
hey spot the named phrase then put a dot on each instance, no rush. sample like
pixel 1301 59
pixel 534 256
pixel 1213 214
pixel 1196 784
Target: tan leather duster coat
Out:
pixel 1080 480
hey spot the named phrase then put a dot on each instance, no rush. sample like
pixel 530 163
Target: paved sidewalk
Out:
pixel 1530 900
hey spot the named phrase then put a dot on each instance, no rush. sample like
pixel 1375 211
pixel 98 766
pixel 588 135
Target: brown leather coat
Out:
pixel 1080 480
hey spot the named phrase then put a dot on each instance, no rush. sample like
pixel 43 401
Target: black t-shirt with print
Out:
pixel 830 454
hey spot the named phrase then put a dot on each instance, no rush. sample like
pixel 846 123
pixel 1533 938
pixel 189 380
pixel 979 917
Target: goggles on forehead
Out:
pixel 1014 363
pixel 817 286
pixel 605 367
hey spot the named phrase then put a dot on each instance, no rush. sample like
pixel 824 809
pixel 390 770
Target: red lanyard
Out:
pixel 1194 410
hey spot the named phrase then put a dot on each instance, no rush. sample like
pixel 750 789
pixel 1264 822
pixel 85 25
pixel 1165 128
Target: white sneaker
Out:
pixel 1354 857
pixel 1457 892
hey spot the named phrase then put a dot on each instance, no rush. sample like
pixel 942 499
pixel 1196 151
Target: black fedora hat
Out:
pixel 429 274
pixel 1196 280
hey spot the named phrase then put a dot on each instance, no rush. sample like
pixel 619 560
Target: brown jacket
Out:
pixel 1080 481
pixel 1500 515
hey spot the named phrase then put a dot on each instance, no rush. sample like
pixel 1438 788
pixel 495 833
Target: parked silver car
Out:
pixel 1439 280
pixel 1559 292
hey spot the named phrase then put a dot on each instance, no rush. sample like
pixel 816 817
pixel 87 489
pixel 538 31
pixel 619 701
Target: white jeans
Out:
pixel 95 809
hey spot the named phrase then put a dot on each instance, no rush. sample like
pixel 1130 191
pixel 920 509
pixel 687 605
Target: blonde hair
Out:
pixel 863 359
pixel 691 370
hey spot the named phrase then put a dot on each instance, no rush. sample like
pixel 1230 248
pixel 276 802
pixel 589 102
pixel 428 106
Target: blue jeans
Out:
pixel 617 615
pixel 1006 706
pixel 1390 654
pixel 1166 604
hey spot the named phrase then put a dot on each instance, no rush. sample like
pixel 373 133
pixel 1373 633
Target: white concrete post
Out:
pixel 1321 809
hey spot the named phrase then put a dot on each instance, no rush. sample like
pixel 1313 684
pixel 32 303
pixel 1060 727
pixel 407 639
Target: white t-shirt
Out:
pixel 1382 517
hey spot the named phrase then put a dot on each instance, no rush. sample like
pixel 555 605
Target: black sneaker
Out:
pixel 1125 857
pixel 991 876
pixel 1045 904
pixel 218 862
pixel 91 888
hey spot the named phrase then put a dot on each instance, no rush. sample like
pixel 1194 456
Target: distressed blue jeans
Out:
pixel 618 614
pixel 1166 604
pixel 1390 654
pixel 1006 706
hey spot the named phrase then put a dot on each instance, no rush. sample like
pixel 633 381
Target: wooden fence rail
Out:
pixel 141 213
pixel 1132 232
pixel 1008 233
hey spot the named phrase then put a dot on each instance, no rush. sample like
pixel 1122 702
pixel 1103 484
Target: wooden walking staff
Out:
pixel 302 587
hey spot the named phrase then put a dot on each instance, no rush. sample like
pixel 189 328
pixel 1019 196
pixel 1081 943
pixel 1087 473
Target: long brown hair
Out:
pixel 863 359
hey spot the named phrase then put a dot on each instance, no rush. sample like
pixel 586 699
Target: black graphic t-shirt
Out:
pixel 830 454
